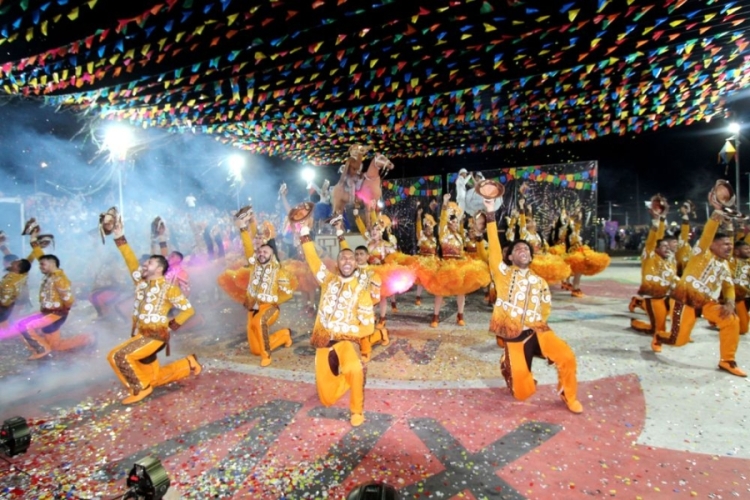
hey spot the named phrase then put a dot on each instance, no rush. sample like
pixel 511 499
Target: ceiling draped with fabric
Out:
pixel 302 80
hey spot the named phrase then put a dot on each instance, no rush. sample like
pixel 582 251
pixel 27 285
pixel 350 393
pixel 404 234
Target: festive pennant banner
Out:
pixel 442 78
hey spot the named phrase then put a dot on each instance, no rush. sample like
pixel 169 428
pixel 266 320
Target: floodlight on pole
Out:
pixel 236 164
pixel 118 139
pixel 308 174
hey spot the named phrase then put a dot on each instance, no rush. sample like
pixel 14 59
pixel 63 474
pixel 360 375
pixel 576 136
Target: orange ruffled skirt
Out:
pixel 414 262
pixel 234 283
pixel 552 268
pixel 394 278
pixel 558 249
pixel 448 277
pixel 401 258
pixel 587 262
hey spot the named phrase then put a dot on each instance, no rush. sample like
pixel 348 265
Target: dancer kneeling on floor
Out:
pixel 519 321
pixel 134 361
pixel 345 315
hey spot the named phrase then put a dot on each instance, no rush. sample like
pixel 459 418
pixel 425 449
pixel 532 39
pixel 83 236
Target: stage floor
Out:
pixel 440 421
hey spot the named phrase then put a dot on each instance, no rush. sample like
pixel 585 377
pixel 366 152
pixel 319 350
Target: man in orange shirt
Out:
pixel 519 320
pixel 706 277
pixel 42 332
pixel 134 361
pixel 345 315
pixel 658 277
pixel 268 287
pixel 741 274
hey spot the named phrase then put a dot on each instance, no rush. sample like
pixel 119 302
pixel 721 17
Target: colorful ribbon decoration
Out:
pixel 444 78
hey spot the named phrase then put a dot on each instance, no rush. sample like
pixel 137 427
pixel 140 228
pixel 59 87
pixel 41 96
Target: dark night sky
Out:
pixel 679 163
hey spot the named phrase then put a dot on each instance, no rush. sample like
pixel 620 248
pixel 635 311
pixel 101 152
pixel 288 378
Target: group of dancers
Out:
pixel 160 306
pixel 711 279
pixel 457 255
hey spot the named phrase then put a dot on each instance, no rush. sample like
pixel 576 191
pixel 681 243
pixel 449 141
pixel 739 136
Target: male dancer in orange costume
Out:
pixel 134 361
pixel 706 277
pixel 42 331
pixel 361 255
pixel 268 287
pixel 519 320
pixel 345 315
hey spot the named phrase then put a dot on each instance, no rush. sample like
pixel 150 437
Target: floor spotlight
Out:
pixel 15 436
pixel 373 491
pixel 148 480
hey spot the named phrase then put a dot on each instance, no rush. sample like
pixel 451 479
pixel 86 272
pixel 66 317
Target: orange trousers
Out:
pixel 5 312
pixel 741 308
pixel 515 364
pixel 42 334
pixel 637 302
pixel 127 358
pixel 337 370
pixel 683 321
pixel 379 336
pixel 657 316
pixel 261 342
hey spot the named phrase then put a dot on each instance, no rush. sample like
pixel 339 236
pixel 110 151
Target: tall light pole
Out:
pixel 735 128
pixel 118 140
pixel 236 164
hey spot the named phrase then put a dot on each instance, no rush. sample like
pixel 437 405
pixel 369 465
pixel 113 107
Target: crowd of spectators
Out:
pixel 633 238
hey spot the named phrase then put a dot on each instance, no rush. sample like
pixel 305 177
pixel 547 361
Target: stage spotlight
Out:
pixel 735 128
pixel 15 436
pixel 147 480
pixel 374 491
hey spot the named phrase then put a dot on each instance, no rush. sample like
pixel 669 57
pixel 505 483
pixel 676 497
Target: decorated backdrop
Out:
pixel 548 189
pixel 400 197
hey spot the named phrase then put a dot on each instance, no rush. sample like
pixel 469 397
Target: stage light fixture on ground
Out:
pixel 373 491
pixel 148 480
pixel 15 436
